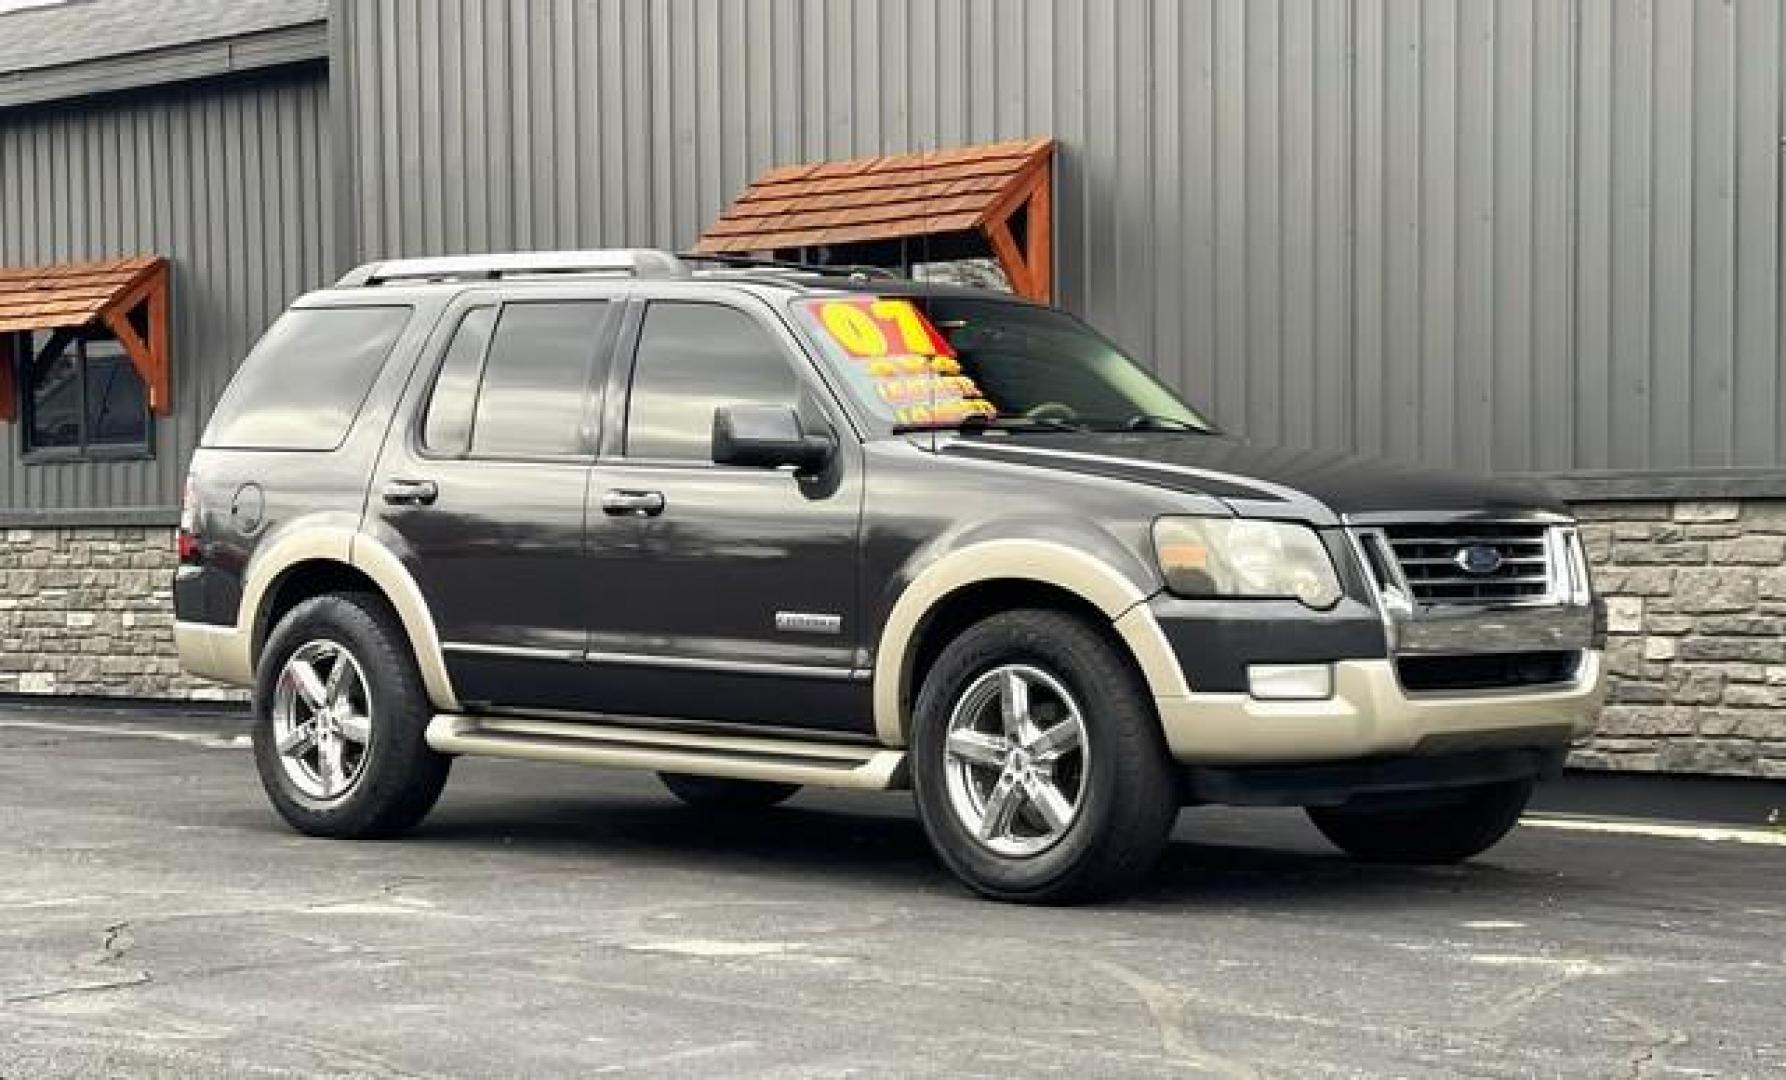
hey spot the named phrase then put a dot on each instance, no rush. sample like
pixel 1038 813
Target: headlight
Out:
pixel 1228 557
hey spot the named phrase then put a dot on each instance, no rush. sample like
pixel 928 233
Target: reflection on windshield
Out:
pixel 1040 365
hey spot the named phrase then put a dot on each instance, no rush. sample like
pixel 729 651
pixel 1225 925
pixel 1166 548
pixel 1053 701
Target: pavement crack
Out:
pixel 118 941
pixel 140 978
pixel 1166 1007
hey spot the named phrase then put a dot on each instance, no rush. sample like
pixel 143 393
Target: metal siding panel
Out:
pixel 1758 387
pixel 1515 234
pixel 205 174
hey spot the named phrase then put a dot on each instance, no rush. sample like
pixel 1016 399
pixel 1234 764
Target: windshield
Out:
pixel 944 362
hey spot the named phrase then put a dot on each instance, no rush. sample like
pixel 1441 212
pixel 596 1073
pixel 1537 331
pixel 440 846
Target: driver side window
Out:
pixel 693 358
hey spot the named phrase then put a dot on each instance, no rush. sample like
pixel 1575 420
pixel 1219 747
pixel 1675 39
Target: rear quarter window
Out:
pixel 303 384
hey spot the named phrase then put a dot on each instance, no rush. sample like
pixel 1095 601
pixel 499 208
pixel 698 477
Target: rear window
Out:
pixel 302 386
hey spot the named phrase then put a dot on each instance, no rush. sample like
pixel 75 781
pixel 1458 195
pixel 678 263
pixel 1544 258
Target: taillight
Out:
pixel 186 545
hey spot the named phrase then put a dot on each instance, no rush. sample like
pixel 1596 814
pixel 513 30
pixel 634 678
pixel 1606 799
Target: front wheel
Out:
pixel 1444 827
pixel 1037 762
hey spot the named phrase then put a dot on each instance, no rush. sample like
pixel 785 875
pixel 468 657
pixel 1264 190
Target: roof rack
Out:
pixel 624 262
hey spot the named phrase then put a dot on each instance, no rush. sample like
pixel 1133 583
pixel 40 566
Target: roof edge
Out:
pixel 298 43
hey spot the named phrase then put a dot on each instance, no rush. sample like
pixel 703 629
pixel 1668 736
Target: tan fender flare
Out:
pixel 370 557
pixel 1017 560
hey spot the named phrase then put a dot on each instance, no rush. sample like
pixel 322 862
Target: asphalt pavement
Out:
pixel 156 919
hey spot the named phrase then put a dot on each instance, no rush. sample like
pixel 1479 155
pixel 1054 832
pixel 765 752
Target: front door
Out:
pixel 481 490
pixel 725 593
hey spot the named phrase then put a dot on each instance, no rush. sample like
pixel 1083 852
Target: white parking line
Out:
pixel 133 731
pixel 1714 833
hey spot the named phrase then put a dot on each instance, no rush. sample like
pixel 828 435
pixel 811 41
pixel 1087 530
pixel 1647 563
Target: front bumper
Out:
pixel 1371 715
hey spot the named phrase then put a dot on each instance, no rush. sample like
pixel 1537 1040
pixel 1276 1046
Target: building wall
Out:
pixel 1520 236
pixel 89 611
pixel 1697 650
pixel 229 180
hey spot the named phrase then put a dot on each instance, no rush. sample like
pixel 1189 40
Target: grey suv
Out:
pixel 756 526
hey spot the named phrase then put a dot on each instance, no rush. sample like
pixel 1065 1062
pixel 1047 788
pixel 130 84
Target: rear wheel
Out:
pixel 1037 762
pixel 340 717
pixel 724 793
pixel 1442 827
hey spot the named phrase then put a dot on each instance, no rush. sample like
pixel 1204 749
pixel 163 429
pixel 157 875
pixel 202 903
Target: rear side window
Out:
pixel 692 359
pixel 447 429
pixel 302 386
pixel 536 379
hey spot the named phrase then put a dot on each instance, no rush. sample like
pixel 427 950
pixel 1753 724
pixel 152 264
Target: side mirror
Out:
pixel 769 437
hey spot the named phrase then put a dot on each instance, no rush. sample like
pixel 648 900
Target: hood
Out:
pixel 1258 481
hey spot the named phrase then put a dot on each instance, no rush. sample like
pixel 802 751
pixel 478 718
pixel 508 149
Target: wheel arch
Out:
pixel 310 563
pixel 996 575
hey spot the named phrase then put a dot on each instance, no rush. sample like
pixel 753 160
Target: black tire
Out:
pixel 725 793
pixel 397 777
pixel 1127 798
pixel 1442 827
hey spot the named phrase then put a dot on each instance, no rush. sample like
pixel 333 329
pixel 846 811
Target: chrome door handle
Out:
pixel 410 492
pixel 633 503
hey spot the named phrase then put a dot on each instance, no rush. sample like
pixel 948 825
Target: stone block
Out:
pixel 1750 551
pixel 1707 510
pixel 37 682
pixel 1765 515
pixel 1659 648
pixel 1638 691
pixel 1695 685
pixel 1624 614
pixel 1627 720
pixel 1686 553
pixel 1754 695
pixel 1742 724
pixel 1669 624
pixel 1753 650
pixel 1707 756
pixel 1712 591
pixel 1743 625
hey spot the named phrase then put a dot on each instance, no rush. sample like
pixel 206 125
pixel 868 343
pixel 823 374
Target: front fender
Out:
pixel 1119 595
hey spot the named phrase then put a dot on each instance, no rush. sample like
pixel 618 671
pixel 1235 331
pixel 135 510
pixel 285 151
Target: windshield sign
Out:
pixel 950 362
pixel 895 354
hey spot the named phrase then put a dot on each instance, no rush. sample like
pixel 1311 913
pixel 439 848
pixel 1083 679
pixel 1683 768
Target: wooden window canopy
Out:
pixel 999 192
pixel 126 296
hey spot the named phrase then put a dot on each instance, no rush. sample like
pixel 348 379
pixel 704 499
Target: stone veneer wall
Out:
pixel 1696 598
pixel 1696 608
pixel 89 611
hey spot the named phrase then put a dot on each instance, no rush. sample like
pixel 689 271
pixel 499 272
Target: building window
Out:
pixel 81 397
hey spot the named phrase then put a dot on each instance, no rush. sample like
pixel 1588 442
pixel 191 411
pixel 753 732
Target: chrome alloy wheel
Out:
pixel 1015 760
pixel 322 720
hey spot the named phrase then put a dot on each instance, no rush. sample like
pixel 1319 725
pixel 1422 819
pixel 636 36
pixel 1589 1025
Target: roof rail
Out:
pixel 751 262
pixel 627 262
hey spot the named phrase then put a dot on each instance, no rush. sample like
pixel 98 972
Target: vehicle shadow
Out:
pixel 1244 864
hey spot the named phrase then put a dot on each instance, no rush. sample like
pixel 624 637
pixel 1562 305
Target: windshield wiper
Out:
pixel 1153 422
pixel 993 423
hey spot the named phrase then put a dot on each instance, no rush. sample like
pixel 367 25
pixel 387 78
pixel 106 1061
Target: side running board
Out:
pixel 740 757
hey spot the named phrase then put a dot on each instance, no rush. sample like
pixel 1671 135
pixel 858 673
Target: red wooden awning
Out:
pixel 72 295
pixel 968 189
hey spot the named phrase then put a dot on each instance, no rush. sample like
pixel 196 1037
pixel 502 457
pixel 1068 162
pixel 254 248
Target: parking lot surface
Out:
pixel 156 919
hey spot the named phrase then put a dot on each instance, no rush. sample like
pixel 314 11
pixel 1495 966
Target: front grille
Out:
pixel 1435 561
pixel 1487 671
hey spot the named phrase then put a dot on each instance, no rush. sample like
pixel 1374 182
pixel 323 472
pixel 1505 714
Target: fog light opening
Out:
pixel 1290 682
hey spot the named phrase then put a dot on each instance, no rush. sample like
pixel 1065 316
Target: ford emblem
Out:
pixel 1478 560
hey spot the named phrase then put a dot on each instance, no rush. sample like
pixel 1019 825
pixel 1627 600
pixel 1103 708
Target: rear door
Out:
pixel 727 593
pixel 482 484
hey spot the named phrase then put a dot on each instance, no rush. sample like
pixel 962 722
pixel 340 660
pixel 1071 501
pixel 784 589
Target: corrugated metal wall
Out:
pixel 1518 235
pixel 229 181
